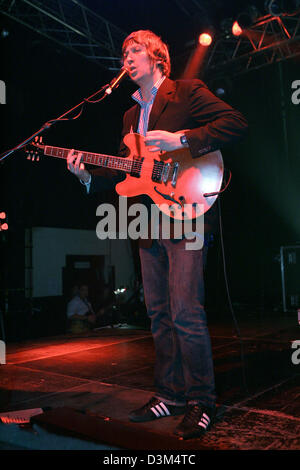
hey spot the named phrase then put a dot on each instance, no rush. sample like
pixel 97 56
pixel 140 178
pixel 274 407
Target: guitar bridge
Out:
pixel 160 172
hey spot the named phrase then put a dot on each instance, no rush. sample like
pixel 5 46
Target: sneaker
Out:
pixel 196 422
pixel 155 409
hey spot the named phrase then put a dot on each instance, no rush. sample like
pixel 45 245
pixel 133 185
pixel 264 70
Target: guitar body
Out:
pixel 194 178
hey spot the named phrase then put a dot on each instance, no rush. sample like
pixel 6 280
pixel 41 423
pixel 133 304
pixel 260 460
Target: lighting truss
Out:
pixel 71 25
pixel 270 39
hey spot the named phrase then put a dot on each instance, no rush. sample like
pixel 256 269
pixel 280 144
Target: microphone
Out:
pixel 116 81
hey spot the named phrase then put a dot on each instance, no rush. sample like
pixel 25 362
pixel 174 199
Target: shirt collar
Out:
pixel 137 95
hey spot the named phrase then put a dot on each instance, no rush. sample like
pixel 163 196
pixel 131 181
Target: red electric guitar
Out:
pixel 181 186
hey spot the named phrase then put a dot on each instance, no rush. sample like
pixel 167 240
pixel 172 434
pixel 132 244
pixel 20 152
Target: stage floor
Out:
pixel 103 375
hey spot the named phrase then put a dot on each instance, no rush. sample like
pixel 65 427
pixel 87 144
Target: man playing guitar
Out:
pixel 172 276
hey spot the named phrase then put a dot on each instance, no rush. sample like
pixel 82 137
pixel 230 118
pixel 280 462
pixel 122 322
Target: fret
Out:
pixel 107 161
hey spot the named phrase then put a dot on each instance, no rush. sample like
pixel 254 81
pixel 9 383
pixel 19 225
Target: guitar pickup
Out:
pixel 165 172
pixel 175 174
pixel 157 172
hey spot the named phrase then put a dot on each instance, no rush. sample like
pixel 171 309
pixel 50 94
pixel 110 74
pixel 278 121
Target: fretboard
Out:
pixel 108 161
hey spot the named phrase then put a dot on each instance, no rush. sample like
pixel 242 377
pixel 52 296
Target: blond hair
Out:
pixel 157 50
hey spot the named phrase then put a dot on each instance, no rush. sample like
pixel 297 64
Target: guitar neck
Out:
pixel 97 159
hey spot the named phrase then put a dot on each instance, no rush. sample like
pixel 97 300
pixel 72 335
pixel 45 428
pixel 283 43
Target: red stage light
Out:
pixel 4 227
pixel 236 29
pixel 205 39
pixel 2 215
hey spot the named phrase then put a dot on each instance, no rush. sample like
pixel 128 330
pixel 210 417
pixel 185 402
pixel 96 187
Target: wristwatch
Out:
pixel 183 139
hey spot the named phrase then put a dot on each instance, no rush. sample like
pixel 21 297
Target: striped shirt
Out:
pixel 146 106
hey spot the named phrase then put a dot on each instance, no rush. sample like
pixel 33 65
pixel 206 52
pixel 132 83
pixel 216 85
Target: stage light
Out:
pixel 236 29
pixel 4 33
pixel 3 224
pixel 220 92
pixel 120 290
pixel 205 39
pixel 220 86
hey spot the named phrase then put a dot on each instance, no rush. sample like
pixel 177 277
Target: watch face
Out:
pixel 183 139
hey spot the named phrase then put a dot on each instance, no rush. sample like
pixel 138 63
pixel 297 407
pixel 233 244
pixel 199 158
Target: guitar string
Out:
pixel 135 165
pixel 102 156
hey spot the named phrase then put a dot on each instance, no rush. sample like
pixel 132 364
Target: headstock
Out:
pixel 35 149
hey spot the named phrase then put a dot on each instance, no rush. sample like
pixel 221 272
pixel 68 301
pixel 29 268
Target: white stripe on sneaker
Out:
pixel 160 410
pixel 202 425
pixel 204 422
pixel 155 412
pixel 165 408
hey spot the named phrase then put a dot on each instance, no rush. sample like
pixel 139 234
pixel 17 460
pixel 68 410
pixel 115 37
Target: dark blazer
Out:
pixel 180 105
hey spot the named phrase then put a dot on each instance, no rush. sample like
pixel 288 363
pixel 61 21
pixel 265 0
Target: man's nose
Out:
pixel 129 58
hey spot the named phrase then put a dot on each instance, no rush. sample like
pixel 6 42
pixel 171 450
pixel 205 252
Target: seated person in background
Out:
pixel 80 313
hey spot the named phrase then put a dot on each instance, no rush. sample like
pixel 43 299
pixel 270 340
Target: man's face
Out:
pixel 137 62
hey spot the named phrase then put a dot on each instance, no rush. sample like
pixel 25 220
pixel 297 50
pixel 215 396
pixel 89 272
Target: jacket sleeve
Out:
pixel 215 123
pixel 104 180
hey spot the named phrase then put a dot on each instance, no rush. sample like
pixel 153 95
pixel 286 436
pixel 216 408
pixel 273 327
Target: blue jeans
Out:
pixel 174 296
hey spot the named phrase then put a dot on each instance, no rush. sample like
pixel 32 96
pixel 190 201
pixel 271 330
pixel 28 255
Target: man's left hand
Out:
pixel 163 140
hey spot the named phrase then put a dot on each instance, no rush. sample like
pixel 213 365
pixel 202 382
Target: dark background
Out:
pixel 260 210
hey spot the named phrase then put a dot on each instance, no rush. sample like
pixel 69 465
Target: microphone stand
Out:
pixel 63 117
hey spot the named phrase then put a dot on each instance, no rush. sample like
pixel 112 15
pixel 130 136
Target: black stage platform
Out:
pixel 91 382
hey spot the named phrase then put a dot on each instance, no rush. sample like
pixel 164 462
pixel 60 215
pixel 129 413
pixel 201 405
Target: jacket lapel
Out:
pixel 162 98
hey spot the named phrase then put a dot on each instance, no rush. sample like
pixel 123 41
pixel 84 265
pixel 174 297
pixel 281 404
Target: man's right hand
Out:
pixel 76 167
